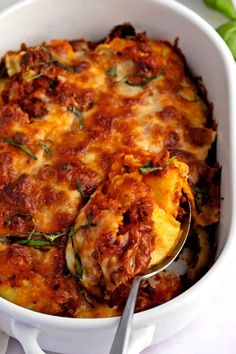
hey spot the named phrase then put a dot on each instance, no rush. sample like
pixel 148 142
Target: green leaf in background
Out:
pixel 226 7
pixel 228 33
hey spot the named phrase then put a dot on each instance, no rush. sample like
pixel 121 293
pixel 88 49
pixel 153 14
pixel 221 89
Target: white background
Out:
pixel 214 331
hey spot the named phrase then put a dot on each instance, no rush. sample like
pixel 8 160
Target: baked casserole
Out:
pixel 100 145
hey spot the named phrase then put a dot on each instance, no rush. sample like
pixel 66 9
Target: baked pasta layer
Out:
pixel 98 141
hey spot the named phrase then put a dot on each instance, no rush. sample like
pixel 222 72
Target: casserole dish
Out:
pixel 207 56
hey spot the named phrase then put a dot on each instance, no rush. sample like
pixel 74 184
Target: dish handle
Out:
pixel 27 336
pixel 141 339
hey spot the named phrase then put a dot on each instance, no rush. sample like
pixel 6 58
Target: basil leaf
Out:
pixel 112 72
pixel 148 166
pixel 78 114
pixel 226 7
pixel 36 76
pixel 36 243
pixel 12 141
pixel 141 83
pixel 80 189
pixel 146 80
pixel 79 268
pixel 228 33
pixel 54 60
pixel 201 196
pixel 41 72
pixel 169 162
pixel 39 63
pixel 10 239
pixel 46 147
pixel 197 189
pixel 89 222
pixel 49 236
pixel 73 231
pixel 4 240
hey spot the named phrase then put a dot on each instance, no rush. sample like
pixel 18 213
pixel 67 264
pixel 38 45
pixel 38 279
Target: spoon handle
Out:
pixel 121 340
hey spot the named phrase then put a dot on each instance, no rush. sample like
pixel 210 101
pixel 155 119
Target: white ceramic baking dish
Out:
pixel 34 21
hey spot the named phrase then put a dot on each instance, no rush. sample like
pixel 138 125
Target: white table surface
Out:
pixel 214 331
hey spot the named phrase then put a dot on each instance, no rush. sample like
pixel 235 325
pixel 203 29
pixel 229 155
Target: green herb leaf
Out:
pixel 54 60
pixel 80 189
pixel 51 236
pixel 89 222
pixel 112 72
pixel 148 166
pixel 73 231
pixel 4 240
pixel 169 162
pixel 78 114
pixel 201 196
pixel 79 268
pixel 226 7
pixel 198 189
pixel 12 141
pixel 36 243
pixel 65 67
pixel 228 33
pixel 52 83
pixel 40 63
pixel 36 76
pixel 46 147
pixel 145 80
pixel 41 72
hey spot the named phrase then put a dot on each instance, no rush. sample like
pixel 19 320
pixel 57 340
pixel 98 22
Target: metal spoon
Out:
pixel 121 340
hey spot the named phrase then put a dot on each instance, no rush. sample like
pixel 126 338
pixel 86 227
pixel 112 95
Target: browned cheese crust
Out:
pixel 70 114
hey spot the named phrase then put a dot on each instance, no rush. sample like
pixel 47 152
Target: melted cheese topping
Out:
pixel 69 113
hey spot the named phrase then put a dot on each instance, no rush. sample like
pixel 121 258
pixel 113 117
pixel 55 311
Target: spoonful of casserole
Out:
pixel 130 223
